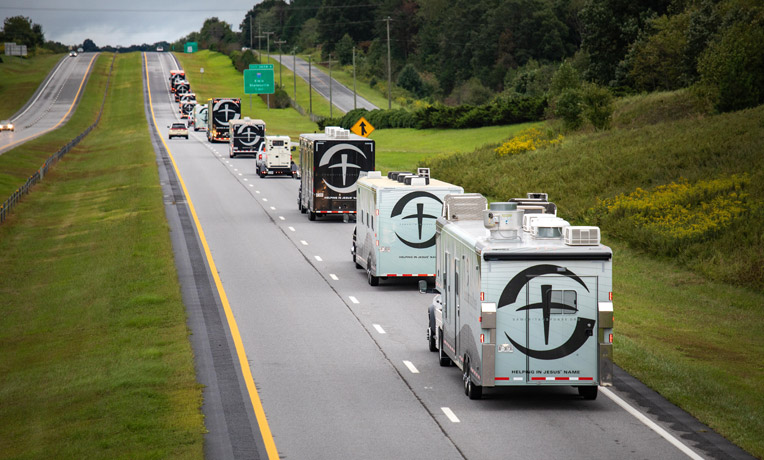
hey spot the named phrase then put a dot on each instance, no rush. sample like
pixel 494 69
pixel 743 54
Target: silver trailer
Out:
pixel 200 117
pixel 394 235
pixel 520 307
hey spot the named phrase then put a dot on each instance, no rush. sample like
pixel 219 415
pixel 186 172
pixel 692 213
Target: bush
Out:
pixel 598 105
pixel 281 98
pixel 569 107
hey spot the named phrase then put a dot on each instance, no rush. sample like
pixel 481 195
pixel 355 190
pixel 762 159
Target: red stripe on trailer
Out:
pixel 502 378
pixel 538 378
pixel 586 378
pixel 562 378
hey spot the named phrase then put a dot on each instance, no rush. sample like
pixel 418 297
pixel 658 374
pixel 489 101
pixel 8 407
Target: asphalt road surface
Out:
pixel 342 96
pixel 52 104
pixel 342 368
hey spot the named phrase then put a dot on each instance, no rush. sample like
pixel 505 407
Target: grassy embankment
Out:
pixel 698 342
pixel 397 149
pixel 96 361
pixel 20 78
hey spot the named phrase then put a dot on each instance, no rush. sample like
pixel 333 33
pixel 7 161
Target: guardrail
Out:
pixel 13 200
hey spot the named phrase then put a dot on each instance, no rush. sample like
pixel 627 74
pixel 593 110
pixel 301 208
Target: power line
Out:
pixel 166 10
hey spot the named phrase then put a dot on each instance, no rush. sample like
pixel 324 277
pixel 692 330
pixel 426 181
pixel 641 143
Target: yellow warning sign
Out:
pixel 362 127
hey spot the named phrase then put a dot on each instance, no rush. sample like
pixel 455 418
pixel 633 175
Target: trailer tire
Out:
pixel 312 216
pixel 470 389
pixel 589 393
pixel 443 358
pixel 431 339
pixel 373 280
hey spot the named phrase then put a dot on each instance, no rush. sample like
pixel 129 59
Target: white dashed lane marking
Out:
pixel 411 367
pixel 291 229
pixel 353 299
pixel 333 276
pixel 318 258
pixel 450 414
pixel 303 242
pixel 379 328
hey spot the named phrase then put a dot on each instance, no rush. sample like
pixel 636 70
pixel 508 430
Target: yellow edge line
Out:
pixel 87 71
pixel 265 430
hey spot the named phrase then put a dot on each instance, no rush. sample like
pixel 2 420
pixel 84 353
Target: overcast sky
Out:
pixel 124 22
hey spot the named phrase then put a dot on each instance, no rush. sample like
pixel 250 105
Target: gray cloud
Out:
pixel 125 23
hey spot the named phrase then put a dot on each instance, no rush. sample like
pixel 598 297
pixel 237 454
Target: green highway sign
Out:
pixel 258 79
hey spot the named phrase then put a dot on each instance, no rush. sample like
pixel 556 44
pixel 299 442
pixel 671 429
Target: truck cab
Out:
pixel 275 157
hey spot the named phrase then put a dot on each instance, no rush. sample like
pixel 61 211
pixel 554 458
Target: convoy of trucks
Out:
pixel 330 164
pixel 220 112
pixel 522 297
pixel 395 228
pixel 275 157
pixel 246 136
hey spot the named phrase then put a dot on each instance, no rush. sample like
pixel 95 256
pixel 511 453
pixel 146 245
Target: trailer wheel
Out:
pixel 312 216
pixel 589 392
pixel 373 280
pixel 470 389
pixel 431 339
pixel 443 358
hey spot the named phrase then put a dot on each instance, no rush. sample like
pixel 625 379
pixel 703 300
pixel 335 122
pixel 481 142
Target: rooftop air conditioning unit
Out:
pixel 581 236
pixel 548 228
pixel 415 180
pixel 504 220
pixel 373 174
pixel 393 175
pixel 529 219
pixel 464 206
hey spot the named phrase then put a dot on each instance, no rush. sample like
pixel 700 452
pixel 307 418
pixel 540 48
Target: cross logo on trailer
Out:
pixel 248 132
pixel 419 216
pixel 228 111
pixel 329 159
pixel 583 326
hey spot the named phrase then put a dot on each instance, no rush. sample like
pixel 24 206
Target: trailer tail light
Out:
pixel 482 296
pixel 611 338
pixel 482 338
pixel 377 212
pixel 610 296
pixel 377 242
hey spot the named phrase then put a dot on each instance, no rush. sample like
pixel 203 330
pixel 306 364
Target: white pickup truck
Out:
pixel 275 157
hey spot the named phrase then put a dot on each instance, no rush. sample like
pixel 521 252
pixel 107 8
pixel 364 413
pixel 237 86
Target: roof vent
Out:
pixel 403 176
pixel 423 172
pixel 530 218
pixel 550 228
pixel 394 174
pixel 537 196
pixel 464 206
pixel 374 175
pixel 581 236
pixel 504 220
pixel 415 180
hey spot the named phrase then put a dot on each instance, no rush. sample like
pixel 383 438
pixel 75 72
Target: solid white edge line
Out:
pixel 58 67
pixel 354 300
pixel 379 328
pixel 650 424
pixel 411 367
pixel 450 414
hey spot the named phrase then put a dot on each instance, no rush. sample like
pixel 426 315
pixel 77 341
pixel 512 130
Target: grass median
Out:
pixel 96 360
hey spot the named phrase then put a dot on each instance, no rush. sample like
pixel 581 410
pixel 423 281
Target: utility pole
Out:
pixel 250 32
pixel 331 105
pixel 268 56
pixel 279 42
pixel 354 106
pixel 259 36
pixel 310 84
pixel 389 78
pixel 294 67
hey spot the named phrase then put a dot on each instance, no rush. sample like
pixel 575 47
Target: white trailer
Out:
pixel 520 308
pixel 395 227
pixel 275 157
pixel 246 136
pixel 200 117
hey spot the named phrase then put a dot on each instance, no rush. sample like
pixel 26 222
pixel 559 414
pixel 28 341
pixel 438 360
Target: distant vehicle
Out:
pixel 330 164
pixel 160 49
pixel 395 231
pixel 72 54
pixel 517 307
pixel 6 125
pixel 178 130
pixel 220 112
pixel 175 77
pixel 181 87
pixel 187 109
pixel 199 119
pixel 275 157
pixel 186 97
pixel 79 50
pixel 246 136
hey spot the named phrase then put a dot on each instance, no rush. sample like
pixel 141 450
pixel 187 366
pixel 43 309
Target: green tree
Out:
pixel 308 37
pixel 22 31
pixel 732 68
pixel 410 80
pixel 344 50
pixel 89 46
pixel 338 17
pixel 656 62
pixel 570 108
pixel 597 104
pixel 566 77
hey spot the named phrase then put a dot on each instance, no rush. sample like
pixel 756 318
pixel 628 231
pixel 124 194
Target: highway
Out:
pixel 52 104
pixel 342 96
pixel 341 368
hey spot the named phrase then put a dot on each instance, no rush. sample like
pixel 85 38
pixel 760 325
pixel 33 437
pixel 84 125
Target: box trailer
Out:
pixel 247 135
pixel 275 157
pixel 395 227
pixel 200 117
pixel 181 87
pixel 187 109
pixel 330 163
pixel 184 98
pixel 175 77
pixel 220 111
pixel 517 307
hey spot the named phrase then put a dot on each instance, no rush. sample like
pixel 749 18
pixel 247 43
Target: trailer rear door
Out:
pixel 560 329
